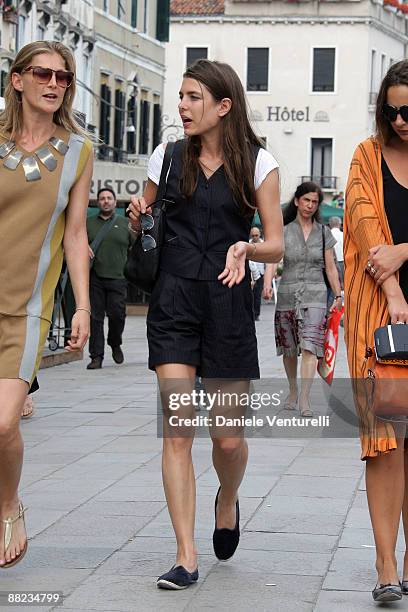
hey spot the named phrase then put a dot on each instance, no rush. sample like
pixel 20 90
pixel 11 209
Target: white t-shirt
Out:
pixel 338 247
pixel 265 163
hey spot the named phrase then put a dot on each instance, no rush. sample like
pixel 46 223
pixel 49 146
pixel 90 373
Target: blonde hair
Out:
pixel 11 119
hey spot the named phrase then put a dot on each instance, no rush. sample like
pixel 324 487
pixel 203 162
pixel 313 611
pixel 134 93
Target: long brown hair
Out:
pixel 396 75
pixel 238 137
pixel 11 119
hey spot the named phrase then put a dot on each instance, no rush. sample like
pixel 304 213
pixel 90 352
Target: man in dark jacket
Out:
pixel 108 286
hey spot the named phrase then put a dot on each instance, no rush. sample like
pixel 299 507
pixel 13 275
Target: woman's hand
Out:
pixel 234 270
pixel 386 259
pixel 337 304
pixel 79 331
pixel 136 208
pixel 398 309
pixel 267 292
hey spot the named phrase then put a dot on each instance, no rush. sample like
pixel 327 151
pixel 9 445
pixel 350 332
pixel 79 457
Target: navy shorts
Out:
pixel 203 324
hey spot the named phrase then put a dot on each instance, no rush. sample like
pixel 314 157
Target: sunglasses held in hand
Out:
pixel 43 76
pixel 146 224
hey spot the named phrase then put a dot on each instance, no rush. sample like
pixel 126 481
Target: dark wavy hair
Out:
pixel 396 75
pixel 290 210
pixel 238 137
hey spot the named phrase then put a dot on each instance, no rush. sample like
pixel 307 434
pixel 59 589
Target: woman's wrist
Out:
pixel 403 248
pixel 250 249
pixel 85 308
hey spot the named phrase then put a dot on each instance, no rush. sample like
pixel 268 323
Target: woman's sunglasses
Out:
pixel 146 224
pixel 391 112
pixel 43 76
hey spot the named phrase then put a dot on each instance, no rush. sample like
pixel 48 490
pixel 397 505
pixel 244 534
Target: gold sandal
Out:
pixel 29 404
pixel 8 532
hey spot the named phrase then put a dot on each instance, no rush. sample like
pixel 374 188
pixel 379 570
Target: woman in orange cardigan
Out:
pixel 376 291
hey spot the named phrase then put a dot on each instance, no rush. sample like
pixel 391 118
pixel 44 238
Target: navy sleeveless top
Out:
pixel 199 230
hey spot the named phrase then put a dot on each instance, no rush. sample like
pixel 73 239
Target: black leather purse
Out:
pixel 142 266
pixel 391 343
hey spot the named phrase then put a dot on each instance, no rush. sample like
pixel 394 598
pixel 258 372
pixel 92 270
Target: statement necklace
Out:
pixel 13 156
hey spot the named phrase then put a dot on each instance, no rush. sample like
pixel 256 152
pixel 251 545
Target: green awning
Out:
pixel 327 211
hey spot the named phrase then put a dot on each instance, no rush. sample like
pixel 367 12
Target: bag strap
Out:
pixel 96 242
pixel 324 240
pixel 161 190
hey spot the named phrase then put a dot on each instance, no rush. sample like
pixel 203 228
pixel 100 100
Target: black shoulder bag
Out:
pixel 326 280
pixel 99 238
pixel 143 262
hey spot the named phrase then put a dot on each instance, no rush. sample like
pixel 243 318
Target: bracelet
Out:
pixel 86 310
pixel 254 251
pixel 132 229
pixel 338 297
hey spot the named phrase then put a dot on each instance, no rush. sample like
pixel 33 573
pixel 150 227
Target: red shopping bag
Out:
pixel 325 365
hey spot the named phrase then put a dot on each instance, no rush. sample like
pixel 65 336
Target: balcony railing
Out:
pixel 113 154
pixel 325 182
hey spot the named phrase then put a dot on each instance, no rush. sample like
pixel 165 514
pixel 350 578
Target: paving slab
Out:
pixel 98 523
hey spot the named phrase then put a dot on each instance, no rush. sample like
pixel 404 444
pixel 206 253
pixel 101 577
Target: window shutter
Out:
pixel 156 125
pixel 163 20
pixel 195 53
pixel 258 69
pixel 323 69
pixel 144 127
pixel 133 14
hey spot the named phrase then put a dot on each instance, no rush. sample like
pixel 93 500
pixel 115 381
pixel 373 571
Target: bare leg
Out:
pixel 290 365
pixel 307 372
pixel 385 494
pixel 230 453
pixel 405 516
pixel 13 393
pixel 178 471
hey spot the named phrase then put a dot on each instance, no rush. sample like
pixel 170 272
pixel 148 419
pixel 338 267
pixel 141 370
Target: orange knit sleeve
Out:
pixel 364 199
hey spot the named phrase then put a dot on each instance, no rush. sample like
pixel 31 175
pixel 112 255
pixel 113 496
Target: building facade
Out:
pixel 311 71
pixel 120 54
pixel 128 85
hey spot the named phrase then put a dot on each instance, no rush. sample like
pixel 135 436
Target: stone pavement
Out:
pixel 98 525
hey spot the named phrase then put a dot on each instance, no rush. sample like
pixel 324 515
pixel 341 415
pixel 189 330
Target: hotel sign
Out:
pixel 283 113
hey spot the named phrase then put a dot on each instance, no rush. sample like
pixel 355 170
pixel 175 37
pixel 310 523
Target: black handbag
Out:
pixel 391 343
pixel 387 380
pixel 142 267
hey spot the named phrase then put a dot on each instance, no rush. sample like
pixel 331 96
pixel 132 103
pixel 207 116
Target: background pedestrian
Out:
pixel 109 242
pixel 300 314
pixel 255 238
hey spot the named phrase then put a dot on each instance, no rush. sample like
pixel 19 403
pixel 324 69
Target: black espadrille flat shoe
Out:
pixel 225 541
pixel 387 592
pixel 177 578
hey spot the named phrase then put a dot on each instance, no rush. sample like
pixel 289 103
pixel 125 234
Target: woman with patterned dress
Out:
pixel 45 173
pixel 300 315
